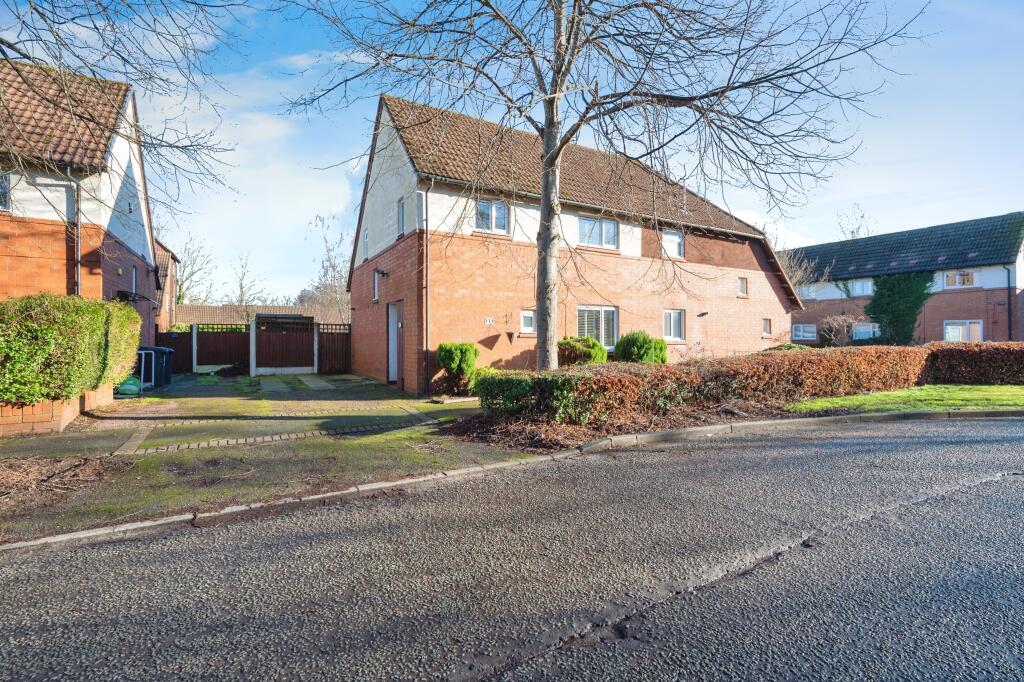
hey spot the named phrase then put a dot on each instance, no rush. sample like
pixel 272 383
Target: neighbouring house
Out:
pixel 445 251
pixel 188 314
pixel 167 279
pixel 975 293
pixel 74 209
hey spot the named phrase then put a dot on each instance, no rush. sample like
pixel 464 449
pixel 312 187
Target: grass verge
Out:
pixel 918 399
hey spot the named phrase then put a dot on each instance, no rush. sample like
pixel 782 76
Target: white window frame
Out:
pixel 862 287
pixel 799 332
pixel 766 326
pixel 5 192
pixel 957 279
pixel 743 286
pixel 366 243
pixel 135 280
pixel 400 210
pixel 681 244
pixel 874 331
pixel 491 227
pixel 807 292
pixel 599 223
pixel 601 309
pixel 667 323
pixel 376 286
pixel 421 209
pixel 966 326
pixel 530 328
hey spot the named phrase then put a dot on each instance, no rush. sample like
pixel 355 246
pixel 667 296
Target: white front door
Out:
pixel 394 333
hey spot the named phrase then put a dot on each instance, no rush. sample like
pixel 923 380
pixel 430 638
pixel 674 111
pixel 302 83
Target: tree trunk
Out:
pixel 549 239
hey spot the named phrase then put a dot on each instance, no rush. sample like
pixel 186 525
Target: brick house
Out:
pixel 445 251
pixel 74 210
pixel 167 280
pixel 975 292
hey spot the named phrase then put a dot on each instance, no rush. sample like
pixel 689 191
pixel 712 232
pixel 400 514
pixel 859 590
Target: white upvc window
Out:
pixel 400 209
pixel 5 191
pixel 673 243
pixel 366 243
pixel 862 287
pixel 599 232
pixel 421 209
pixel 962 330
pixel 135 280
pixel 804 332
pixel 674 324
pixel 808 292
pixel 960 279
pixel 491 216
pixel 766 326
pixel 743 286
pixel 376 285
pixel 601 322
pixel 528 321
pixel 866 330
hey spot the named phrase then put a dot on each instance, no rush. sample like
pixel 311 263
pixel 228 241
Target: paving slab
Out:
pixel 269 384
pixel 316 383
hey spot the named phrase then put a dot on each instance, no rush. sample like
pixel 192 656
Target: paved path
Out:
pixel 889 550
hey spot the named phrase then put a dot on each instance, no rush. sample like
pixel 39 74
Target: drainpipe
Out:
pixel 426 288
pixel 1009 302
pixel 78 232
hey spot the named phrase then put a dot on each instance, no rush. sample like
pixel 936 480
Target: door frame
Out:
pixel 399 308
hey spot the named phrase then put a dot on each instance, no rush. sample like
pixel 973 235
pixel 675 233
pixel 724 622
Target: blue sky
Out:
pixel 945 142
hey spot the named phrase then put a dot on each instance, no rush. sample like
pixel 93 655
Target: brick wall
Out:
pixel 989 305
pixel 49 416
pixel 479 284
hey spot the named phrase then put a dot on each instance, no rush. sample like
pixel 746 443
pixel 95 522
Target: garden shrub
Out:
pixel 581 350
pixel 59 347
pixel 639 346
pixel 459 363
pixel 975 363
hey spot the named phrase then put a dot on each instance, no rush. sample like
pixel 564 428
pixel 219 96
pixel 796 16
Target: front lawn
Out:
pixel 918 399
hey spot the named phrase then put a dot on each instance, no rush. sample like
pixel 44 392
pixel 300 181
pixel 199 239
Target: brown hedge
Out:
pixel 975 363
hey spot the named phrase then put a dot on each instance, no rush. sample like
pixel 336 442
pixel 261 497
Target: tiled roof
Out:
pixel 56 117
pixel 452 146
pixel 163 264
pixel 193 313
pixel 971 243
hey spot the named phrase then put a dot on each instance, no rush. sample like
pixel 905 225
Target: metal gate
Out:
pixel 282 342
pixel 334 349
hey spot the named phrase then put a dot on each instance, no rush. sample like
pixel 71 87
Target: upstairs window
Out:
pixel 492 216
pixel 807 291
pixel 598 232
pixel 135 280
pixel 862 287
pixel 401 217
pixel 5 191
pixel 964 278
pixel 672 243
pixel 366 243
pixel 743 286
pixel 601 322
pixel 421 209
pixel 675 324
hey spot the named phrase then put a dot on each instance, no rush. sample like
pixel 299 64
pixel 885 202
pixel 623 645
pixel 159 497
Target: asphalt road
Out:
pixel 889 550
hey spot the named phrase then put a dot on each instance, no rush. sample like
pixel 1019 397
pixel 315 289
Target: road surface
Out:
pixel 888 550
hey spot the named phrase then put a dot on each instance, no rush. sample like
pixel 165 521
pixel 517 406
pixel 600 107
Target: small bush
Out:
pixel 59 347
pixel 787 347
pixel 458 360
pixel 975 363
pixel 581 350
pixel 639 346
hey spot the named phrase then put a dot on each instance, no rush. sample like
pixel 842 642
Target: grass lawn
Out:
pixel 919 398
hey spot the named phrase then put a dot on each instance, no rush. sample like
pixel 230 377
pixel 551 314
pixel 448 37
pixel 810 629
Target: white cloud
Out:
pixel 781 236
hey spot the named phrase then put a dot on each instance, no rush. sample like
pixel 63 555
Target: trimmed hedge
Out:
pixel 59 347
pixel 581 350
pixel 639 346
pixel 975 363
pixel 459 363
pixel 622 390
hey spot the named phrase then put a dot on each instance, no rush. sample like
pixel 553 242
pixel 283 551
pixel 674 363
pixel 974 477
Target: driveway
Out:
pixel 889 550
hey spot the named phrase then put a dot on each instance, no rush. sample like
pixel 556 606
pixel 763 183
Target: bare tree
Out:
pixel 800 270
pixel 245 289
pixel 855 223
pixel 330 287
pixel 196 269
pixel 747 91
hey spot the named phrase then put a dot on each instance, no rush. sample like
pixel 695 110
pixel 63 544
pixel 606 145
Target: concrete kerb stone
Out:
pixel 201 519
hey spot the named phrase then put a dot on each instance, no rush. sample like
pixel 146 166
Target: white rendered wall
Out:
pixel 391 178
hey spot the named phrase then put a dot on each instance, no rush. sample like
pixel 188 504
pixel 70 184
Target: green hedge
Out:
pixel 459 363
pixel 639 346
pixel 59 347
pixel 581 350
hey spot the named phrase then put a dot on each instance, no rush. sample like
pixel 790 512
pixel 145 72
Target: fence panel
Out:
pixel 284 343
pixel 222 344
pixel 181 343
pixel 334 350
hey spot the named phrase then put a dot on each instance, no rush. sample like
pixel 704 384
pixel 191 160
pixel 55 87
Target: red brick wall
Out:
pixel 970 304
pixel 473 277
pixel 49 416
pixel 37 256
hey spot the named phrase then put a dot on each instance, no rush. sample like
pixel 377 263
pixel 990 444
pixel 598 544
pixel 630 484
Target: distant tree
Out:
pixel 800 270
pixel 747 91
pixel 897 303
pixel 855 223
pixel 245 290
pixel 330 286
pixel 196 268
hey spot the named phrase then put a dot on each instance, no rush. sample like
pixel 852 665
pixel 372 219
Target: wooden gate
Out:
pixel 284 343
pixel 334 348
pixel 222 344
pixel 181 344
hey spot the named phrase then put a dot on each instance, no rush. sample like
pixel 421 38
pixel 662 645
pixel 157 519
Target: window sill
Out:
pixel 675 342
pixel 742 295
pixel 527 335
pixel 488 233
